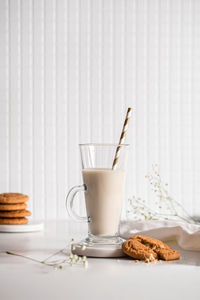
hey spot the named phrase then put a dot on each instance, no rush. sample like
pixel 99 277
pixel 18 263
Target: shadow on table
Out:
pixel 191 258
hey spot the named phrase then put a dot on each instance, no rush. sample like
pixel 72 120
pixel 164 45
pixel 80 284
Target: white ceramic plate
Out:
pixel 30 227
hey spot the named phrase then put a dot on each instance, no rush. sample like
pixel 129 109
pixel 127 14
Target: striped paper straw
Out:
pixel 122 138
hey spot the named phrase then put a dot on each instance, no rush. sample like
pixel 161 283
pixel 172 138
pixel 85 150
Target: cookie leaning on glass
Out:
pixel 148 249
pixel 13 209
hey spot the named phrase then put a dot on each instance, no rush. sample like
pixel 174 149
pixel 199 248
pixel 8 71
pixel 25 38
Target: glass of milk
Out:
pixel 103 188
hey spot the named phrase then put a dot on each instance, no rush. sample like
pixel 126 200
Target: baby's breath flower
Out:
pixel 56 263
pixel 164 207
pixel 84 258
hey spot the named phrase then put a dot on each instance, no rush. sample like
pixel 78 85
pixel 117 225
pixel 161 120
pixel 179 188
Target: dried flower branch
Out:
pixel 71 259
pixel 164 207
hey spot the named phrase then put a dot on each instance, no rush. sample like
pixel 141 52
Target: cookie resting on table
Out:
pixel 148 249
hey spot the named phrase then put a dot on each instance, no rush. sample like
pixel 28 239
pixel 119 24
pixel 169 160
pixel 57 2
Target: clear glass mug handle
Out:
pixel 70 200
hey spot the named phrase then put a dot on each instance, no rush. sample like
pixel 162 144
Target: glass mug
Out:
pixel 104 191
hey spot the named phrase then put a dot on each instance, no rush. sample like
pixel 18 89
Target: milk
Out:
pixel 104 196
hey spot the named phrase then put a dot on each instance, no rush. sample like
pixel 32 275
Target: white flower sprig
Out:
pixel 164 207
pixel 70 259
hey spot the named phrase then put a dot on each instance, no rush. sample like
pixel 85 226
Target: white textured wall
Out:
pixel 68 72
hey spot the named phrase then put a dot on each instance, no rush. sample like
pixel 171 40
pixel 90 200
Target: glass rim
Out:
pixel 104 144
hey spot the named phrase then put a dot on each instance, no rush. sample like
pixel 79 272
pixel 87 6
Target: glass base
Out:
pixel 93 240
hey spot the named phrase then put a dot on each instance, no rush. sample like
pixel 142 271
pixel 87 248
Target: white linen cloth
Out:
pixel 186 235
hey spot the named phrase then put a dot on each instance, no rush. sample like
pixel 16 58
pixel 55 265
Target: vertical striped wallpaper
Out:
pixel 68 71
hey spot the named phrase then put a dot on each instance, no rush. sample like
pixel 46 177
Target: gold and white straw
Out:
pixel 122 138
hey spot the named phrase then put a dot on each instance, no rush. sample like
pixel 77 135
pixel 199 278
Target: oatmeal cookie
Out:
pixel 148 249
pixel 13 198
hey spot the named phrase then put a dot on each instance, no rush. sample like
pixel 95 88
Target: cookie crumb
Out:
pixel 151 257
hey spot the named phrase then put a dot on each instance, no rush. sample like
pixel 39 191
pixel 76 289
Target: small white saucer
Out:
pixel 30 227
pixel 97 250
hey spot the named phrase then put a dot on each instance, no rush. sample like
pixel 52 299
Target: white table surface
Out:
pixel 103 279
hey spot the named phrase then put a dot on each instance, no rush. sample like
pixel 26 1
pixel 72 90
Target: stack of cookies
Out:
pixel 13 209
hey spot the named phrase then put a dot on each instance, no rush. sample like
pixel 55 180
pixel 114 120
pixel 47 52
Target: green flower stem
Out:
pixel 20 255
pixel 186 212
pixel 56 253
